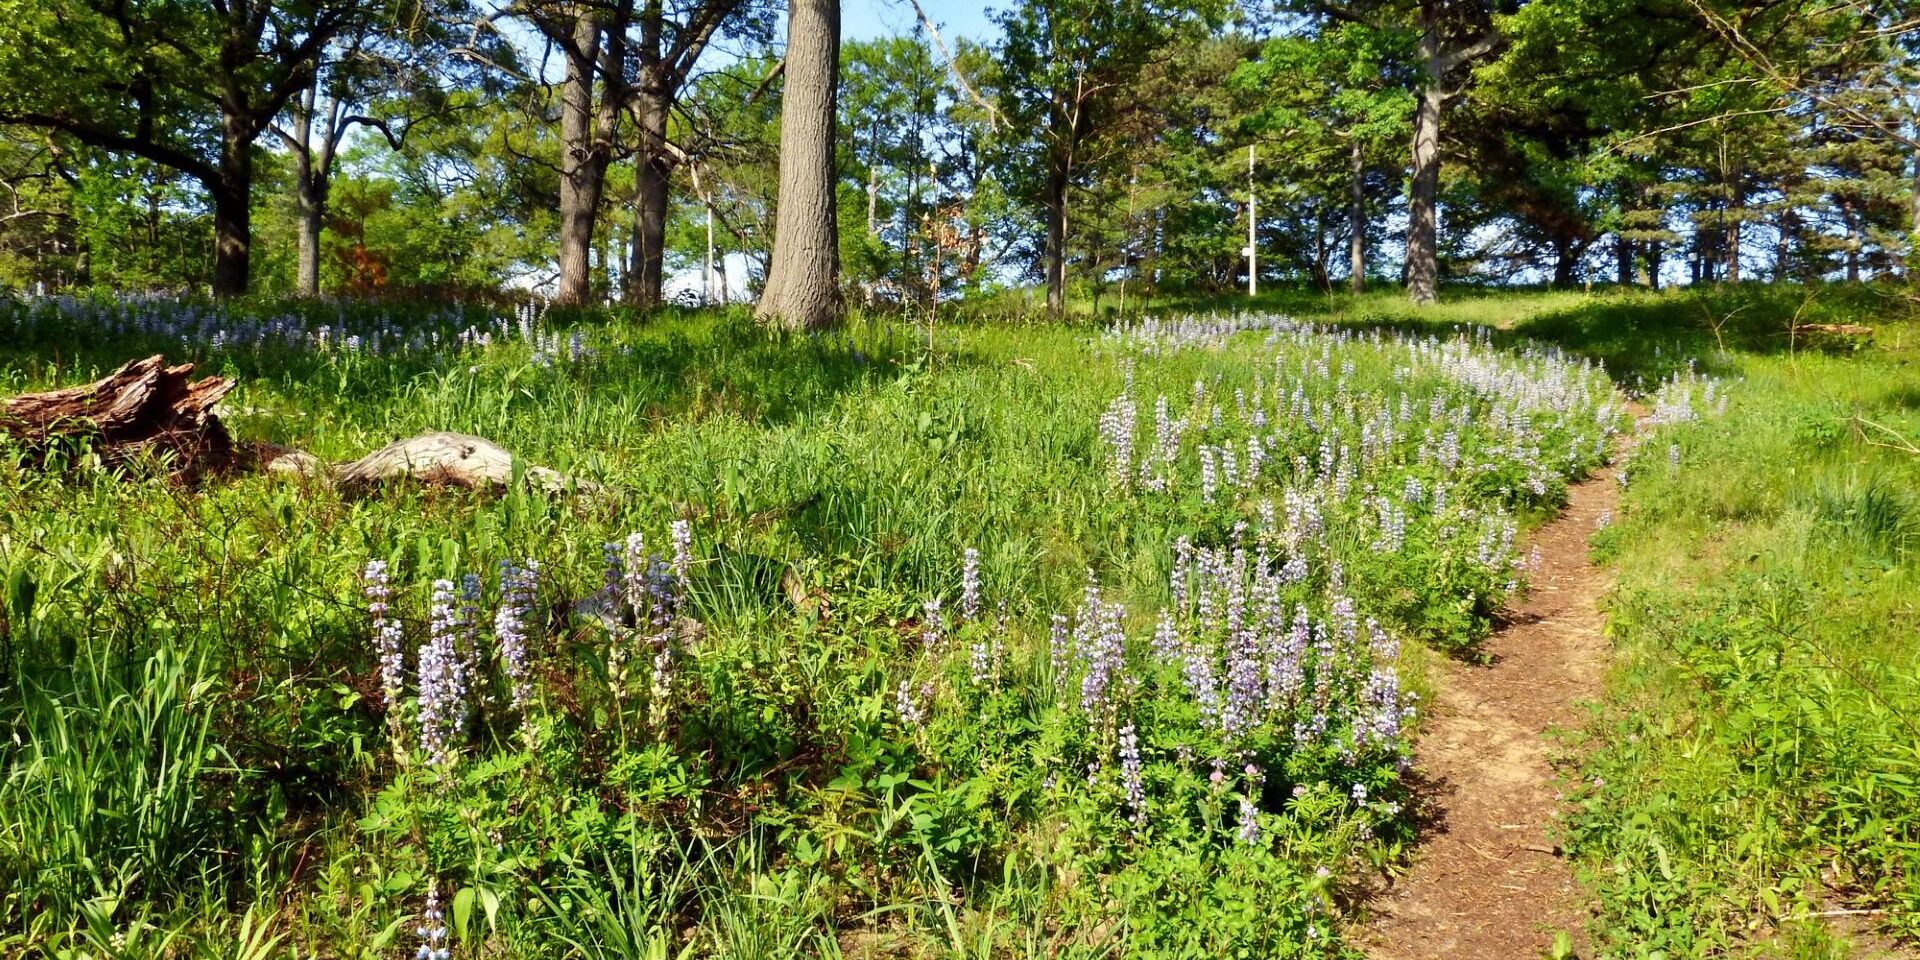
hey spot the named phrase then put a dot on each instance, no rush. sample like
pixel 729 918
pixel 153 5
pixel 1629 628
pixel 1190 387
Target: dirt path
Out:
pixel 1487 880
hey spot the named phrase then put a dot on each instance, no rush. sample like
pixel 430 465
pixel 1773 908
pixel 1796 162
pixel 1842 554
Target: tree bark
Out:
pixel 653 174
pixel 1783 249
pixel 1736 210
pixel 1622 260
pixel 587 129
pixel 1056 245
pixel 579 175
pixel 1565 260
pixel 1357 218
pixel 1913 221
pixel 233 209
pixel 803 278
pixel 1423 190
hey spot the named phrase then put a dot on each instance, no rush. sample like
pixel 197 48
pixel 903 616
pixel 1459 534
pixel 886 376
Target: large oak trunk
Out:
pixel 233 210
pixel 1056 249
pixel 1357 217
pixel 1423 268
pixel 653 173
pixel 581 168
pixel 803 279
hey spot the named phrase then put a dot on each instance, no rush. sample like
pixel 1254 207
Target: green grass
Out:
pixel 197 761
pixel 198 750
pixel 1757 763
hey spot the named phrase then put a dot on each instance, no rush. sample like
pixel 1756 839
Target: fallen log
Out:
pixel 148 408
pixel 145 408
pixel 453 459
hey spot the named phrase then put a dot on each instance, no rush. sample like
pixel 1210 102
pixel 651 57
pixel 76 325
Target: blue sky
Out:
pixel 866 19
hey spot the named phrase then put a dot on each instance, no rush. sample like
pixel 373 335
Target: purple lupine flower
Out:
pixel 386 633
pixel 912 712
pixel 933 627
pixel 518 584
pixel 1199 676
pixel 1209 477
pixel 1116 430
pixel 1249 822
pixel 1245 687
pixel 442 696
pixel 1104 654
pixel 466 660
pixel 970 584
pixel 1166 639
pixel 682 536
pixel 1130 777
pixel 432 929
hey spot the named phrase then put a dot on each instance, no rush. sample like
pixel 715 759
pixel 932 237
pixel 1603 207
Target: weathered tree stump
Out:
pixel 145 408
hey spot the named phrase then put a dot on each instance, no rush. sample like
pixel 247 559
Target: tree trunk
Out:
pixel 1056 250
pixel 1564 262
pixel 233 210
pixel 306 199
pixel 653 174
pixel 1852 219
pixel 1422 192
pixel 312 204
pixel 1913 220
pixel 1656 255
pixel 1736 209
pixel 1357 218
pixel 1622 260
pixel 580 173
pixel 1783 249
pixel 803 278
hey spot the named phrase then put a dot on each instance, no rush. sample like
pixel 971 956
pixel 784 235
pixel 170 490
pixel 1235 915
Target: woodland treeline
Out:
pixel 1097 149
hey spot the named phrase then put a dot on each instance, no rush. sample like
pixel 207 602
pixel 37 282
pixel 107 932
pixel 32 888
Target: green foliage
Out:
pixel 1756 766
pixel 199 749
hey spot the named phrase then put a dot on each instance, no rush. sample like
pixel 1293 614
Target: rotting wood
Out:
pixel 148 408
pixel 144 408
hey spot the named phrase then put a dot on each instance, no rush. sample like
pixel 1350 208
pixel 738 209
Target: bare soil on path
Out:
pixel 1487 879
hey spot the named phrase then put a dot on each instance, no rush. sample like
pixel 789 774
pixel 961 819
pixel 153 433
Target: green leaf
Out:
pixel 462 911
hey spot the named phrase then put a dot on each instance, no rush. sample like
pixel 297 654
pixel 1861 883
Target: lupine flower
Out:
pixel 682 533
pixel 518 585
pixel 1166 639
pixel 910 711
pixel 466 645
pixel 386 633
pixel 1116 430
pixel 1130 778
pixel 442 692
pixel 432 930
pixel 1249 822
pixel 933 627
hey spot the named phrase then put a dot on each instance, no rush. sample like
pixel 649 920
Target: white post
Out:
pixel 1253 219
